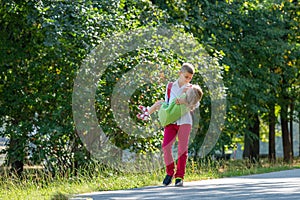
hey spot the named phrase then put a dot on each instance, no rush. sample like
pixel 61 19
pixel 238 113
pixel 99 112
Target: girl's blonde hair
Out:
pixel 193 96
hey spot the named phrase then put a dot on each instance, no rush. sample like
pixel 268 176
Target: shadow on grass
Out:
pixel 59 196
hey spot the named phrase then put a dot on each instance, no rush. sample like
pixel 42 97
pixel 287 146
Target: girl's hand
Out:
pixel 180 101
pixel 186 88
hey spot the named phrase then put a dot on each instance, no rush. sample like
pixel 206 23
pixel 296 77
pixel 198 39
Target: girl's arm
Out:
pixel 181 100
pixel 155 107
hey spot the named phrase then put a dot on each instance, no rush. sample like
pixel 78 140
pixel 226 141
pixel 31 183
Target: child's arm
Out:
pixel 181 100
pixel 187 87
pixel 155 107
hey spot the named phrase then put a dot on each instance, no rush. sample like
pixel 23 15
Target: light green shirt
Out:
pixel 169 113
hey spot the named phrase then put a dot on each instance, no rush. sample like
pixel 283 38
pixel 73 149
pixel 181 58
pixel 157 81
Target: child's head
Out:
pixel 186 73
pixel 187 67
pixel 193 96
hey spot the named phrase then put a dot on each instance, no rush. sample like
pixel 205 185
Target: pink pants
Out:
pixel 170 133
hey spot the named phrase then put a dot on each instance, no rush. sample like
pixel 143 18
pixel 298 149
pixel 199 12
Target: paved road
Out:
pixel 270 186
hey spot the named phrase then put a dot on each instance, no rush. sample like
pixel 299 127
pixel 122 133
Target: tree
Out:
pixel 42 46
pixel 251 35
pixel 289 73
pixel 17 51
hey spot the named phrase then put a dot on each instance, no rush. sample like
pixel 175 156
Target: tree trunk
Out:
pixel 251 148
pixel 291 127
pixel 247 144
pixel 16 160
pixel 272 122
pixel 286 137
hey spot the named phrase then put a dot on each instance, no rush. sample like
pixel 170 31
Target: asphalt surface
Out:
pixel 270 186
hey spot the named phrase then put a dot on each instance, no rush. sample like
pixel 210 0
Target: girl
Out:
pixel 169 113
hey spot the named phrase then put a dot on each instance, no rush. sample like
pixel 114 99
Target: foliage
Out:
pixel 253 36
pixel 43 44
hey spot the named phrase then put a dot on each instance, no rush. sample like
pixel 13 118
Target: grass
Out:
pixel 36 185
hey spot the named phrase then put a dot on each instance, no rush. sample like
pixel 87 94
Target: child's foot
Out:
pixel 167 180
pixel 143 108
pixel 143 116
pixel 178 182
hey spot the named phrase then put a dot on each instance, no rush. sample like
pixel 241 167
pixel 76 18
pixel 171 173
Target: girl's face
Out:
pixel 185 77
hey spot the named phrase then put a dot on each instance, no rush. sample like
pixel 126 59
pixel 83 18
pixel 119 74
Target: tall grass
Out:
pixel 35 184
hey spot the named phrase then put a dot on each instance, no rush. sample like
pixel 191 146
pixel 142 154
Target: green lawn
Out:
pixel 37 186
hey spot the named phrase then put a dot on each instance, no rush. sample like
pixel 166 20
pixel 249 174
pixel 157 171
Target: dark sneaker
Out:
pixel 167 180
pixel 178 182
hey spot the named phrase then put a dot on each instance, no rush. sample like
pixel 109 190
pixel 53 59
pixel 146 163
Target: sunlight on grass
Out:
pixel 35 185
